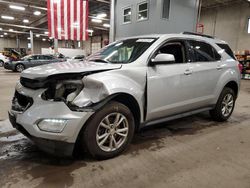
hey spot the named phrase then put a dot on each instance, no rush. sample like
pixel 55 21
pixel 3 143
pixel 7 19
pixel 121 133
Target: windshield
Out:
pixel 26 57
pixel 122 52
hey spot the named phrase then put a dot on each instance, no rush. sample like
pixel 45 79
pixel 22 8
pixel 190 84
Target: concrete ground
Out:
pixel 190 152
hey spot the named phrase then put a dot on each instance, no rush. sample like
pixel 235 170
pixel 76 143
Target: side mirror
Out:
pixel 163 59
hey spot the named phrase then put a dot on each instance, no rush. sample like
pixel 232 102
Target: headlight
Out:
pixel 65 90
pixel 52 125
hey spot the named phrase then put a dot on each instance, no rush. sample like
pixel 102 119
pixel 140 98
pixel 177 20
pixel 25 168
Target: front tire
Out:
pixel 225 105
pixel 19 68
pixel 109 131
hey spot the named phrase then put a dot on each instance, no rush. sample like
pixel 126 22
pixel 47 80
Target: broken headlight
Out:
pixel 65 91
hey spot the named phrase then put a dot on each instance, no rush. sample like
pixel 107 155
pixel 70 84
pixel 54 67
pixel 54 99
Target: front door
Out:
pixel 171 86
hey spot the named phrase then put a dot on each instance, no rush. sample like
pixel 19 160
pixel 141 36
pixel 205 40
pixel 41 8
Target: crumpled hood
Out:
pixel 66 67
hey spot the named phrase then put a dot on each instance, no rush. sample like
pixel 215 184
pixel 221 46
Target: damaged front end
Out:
pixel 77 91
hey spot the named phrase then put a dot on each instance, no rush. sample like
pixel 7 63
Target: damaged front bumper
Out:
pixel 58 148
pixel 26 120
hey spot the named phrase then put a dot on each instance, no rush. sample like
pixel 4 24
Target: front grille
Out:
pixel 20 102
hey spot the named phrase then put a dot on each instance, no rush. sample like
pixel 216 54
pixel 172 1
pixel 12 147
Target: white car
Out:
pixel 130 84
pixel 3 59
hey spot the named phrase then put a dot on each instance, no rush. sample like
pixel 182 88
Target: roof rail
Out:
pixel 197 34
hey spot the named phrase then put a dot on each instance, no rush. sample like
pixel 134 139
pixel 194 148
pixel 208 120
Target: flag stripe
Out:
pixel 65 20
pixel 86 36
pixel 75 19
pixel 84 18
pixel 69 20
pixel 81 20
pixel 59 29
pixel 62 20
pixel 55 19
pixel 78 20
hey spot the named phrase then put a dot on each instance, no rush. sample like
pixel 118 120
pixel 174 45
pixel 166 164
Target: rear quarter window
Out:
pixel 202 52
pixel 227 50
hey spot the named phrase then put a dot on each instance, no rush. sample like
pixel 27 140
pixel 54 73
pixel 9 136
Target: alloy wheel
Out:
pixel 227 105
pixel 19 68
pixel 112 132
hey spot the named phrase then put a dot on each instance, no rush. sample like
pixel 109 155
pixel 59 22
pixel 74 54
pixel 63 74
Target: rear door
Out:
pixel 45 59
pixel 207 68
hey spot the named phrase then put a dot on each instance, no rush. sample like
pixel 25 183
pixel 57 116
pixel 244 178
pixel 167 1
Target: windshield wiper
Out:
pixel 99 60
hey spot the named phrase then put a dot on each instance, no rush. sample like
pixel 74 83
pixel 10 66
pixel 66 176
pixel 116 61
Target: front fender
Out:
pixel 98 87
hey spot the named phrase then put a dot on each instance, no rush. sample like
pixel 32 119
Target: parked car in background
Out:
pixel 76 59
pixel 31 61
pixel 61 56
pixel 3 59
pixel 128 85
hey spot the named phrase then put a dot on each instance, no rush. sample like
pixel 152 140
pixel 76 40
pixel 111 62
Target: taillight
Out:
pixel 240 66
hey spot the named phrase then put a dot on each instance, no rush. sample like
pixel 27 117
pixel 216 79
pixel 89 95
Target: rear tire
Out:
pixel 225 105
pixel 1 63
pixel 109 131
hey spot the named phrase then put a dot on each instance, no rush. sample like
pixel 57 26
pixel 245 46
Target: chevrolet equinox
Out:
pixel 100 103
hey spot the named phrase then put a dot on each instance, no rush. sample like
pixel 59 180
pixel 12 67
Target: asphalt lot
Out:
pixel 190 152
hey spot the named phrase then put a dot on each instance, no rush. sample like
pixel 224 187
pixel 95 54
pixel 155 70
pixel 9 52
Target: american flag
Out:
pixel 68 19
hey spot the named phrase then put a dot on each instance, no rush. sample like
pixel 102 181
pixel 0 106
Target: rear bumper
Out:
pixel 54 147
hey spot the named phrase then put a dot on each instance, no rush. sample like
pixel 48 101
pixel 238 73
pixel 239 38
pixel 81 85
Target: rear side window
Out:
pixel 227 50
pixel 48 57
pixel 35 57
pixel 202 52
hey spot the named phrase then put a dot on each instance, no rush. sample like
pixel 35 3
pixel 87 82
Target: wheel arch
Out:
pixel 123 98
pixel 234 86
pixel 126 99
pixel 129 101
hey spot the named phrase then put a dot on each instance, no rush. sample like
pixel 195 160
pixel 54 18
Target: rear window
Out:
pixel 227 50
pixel 202 52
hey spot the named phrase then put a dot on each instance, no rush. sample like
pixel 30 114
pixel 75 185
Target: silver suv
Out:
pixel 132 83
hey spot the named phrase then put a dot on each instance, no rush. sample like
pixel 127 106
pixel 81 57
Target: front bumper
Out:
pixel 57 148
pixel 9 66
pixel 56 143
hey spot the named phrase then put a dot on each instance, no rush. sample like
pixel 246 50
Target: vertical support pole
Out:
pixel 31 42
pixel 17 43
pixel 55 45
pixel 112 21
pixel 199 11
pixel 91 45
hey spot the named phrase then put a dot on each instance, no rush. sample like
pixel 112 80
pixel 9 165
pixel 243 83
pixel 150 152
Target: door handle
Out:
pixel 188 72
pixel 219 67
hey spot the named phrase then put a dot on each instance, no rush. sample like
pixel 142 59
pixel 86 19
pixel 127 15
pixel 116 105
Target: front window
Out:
pixel 27 57
pixel 122 52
